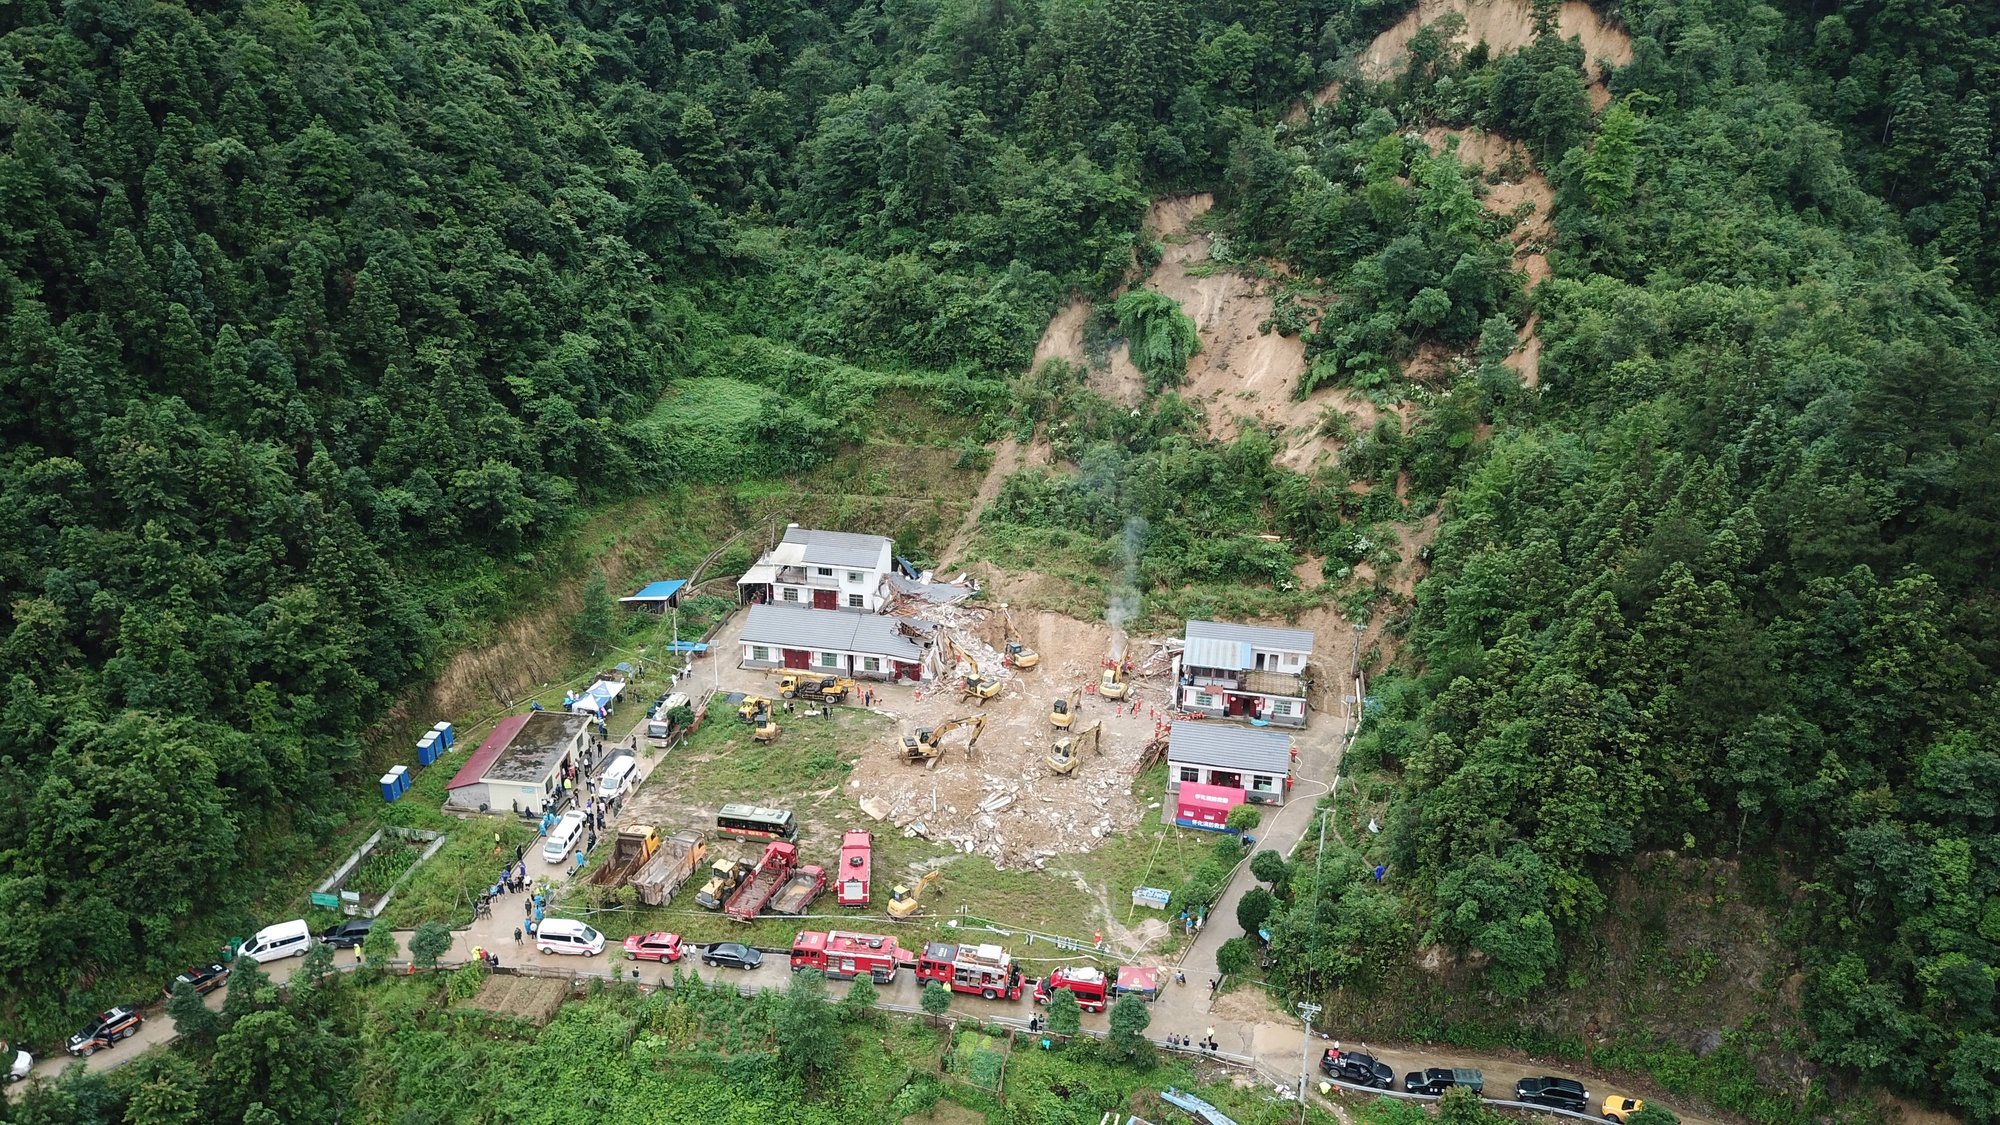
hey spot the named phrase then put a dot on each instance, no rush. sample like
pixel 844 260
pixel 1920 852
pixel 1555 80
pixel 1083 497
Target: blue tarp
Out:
pixel 686 646
pixel 657 591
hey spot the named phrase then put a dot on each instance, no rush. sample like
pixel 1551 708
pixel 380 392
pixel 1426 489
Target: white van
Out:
pixel 567 831
pixel 567 935
pixel 286 939
pixel 620 773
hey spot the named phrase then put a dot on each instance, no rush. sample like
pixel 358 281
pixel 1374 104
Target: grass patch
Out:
pixel 806 771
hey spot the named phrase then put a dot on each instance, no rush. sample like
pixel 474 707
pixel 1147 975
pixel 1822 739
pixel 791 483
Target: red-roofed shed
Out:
pixel 516 764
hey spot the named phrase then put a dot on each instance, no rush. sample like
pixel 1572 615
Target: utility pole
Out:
pixel 1306 1014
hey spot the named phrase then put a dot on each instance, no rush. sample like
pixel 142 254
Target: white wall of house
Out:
pixel 863 665
pixel 1267 789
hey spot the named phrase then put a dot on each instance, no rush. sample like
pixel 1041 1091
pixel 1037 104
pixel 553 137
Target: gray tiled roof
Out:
pixel 839 548
pixel 1216 644
pixel 1228 747
pixel 828 630
pixel 535 750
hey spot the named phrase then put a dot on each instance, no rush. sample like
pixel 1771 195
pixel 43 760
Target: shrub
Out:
pixel 1234 956
pixel 1162 337
pixel 1270 867
pixel 1243 818
pixel 1255 906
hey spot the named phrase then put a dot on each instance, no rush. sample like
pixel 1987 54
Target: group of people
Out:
pixel 1188 1043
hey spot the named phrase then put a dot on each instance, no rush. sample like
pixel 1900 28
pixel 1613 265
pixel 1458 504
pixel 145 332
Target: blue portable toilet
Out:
pixel 446 737
pixel 427 749
pixel 390 787
pixel 402 776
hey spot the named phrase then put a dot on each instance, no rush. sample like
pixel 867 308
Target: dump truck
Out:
pixel 723 879
pixel 751 896
pixel 827 689
pixel 633 847
pixel 799 891
pixel 680 856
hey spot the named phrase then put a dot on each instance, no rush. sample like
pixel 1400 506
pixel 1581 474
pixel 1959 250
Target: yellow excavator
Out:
pixel 1021 656
pixel 1114 686
pixel 903 900
pixel 1069 750
pixel 1063 712
pixel 767 731
pixel 982 690
pixel 928 745
pixel 751 706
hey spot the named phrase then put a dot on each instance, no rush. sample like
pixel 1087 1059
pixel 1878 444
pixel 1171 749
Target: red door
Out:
pixel 796 658
pixel 825 599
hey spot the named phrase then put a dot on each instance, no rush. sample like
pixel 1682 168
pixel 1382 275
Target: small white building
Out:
pixel 1245 672
pixel 1259 762
pixel 863 645
pixel 820 570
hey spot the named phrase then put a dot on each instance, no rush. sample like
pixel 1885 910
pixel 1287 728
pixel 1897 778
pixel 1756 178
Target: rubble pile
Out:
pixel 1015 821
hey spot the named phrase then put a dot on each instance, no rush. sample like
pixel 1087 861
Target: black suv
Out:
pixel 1357 1069
pixel 348 934
pixel 1436 1080
pixel 1559 1093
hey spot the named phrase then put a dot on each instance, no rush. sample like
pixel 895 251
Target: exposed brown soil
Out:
pixel 1527 359
pixel 1505 27
pixel 534 999
pixel 1526 189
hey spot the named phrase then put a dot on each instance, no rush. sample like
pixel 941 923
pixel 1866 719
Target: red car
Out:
pixel 656 946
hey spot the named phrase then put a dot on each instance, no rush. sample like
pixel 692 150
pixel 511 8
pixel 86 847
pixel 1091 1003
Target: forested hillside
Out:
pixel 317 315
pixel 321 319
pixel 1730 587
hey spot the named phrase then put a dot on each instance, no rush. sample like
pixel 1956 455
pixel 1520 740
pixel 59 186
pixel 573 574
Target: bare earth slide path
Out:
pixel 1505 26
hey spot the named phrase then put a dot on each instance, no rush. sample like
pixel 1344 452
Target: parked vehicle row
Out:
pixel 1359 1069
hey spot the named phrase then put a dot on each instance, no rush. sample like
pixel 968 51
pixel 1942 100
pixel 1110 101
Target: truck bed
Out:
pixel 680 856
pixel 798 893
pixel 750 898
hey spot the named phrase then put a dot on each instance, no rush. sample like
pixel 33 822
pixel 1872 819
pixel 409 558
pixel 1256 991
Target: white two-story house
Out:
pixel 1245 672
pixel 820 570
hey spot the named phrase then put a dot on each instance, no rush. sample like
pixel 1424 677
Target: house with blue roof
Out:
pixel 1250 672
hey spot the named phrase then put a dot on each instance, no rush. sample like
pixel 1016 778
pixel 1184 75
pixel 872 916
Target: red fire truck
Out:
pixel 856 860
pixel 843 956
pixel 984 970
pixel 1088 985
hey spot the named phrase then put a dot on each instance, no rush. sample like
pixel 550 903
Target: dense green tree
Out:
pixel 808 1030
pixel 193 1020
pixel 858 1006
pixel 1065 1016
pixel 1255 906
pixel 1129 1017
pixel 935 1000
pixel 429 943
pixel 591 628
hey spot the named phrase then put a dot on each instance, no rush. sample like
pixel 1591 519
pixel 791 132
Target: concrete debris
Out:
pixel 916 828
pixel 875 807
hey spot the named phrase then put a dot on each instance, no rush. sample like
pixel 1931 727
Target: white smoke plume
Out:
pixel 1124 605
